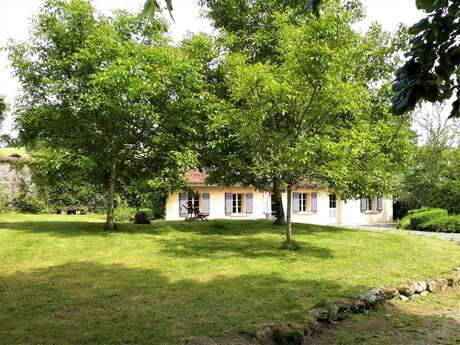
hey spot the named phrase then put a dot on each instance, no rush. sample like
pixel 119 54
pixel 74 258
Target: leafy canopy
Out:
pixel 110 89
pixel 431 72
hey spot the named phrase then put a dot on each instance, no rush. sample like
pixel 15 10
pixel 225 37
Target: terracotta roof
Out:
pixel 196 177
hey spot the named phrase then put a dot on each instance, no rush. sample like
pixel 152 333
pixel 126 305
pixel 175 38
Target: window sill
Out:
pixel 372 212
pixel 305 213
pixel 237 215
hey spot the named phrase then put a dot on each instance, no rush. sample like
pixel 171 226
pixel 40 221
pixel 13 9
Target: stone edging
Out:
pixel 334 311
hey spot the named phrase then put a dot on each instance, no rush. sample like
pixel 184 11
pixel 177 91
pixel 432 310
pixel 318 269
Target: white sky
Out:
pixel 15 19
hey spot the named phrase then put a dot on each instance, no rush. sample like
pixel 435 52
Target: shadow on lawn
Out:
pixel 220 246
pixel 213 227
pixel 91 303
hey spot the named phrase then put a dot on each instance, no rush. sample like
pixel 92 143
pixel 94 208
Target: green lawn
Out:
pixel 63 280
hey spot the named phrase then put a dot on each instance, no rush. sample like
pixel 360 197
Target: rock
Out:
pixel 200 341
pixel 390 293
pixel 442 284
pixel 264 334
pixel 403 298
pixel 424 293
pixel 419 287
pixel 405 290
pixel 287 335
pixel 320 314
pixel 414 296
pixel 432 286
pixel 373 296
pixel 352 305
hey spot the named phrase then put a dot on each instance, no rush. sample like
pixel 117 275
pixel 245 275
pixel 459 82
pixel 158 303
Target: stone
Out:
pixel 419 287
pixel 200 341
pixel 432 286
pixel 403 298
pixel 373 296
pixel 442 283
pixel 424 293
pixel 390 293
pixel 352 305
pixel 414 296
pixel 405 290
pixel 287 335
pixel 264 334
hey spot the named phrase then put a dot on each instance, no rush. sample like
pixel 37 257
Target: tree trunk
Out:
pixel 109 224
pixel 288 217
pixel 278 200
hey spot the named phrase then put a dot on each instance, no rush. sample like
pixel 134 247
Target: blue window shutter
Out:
pixel 228 203
pixel 379 204
pixel 363 204
pixel 182 202
pixel 249 202
pixel 295 202
pixel 206 203
pixel 314 202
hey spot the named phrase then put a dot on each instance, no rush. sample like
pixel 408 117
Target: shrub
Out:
pixel 420 215
pixel 442 224
pixel 25 201
pixel 29 204
pixel 124 214
pixel 419 218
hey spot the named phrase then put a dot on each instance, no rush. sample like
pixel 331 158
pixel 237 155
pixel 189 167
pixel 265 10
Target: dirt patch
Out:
pixel 431 320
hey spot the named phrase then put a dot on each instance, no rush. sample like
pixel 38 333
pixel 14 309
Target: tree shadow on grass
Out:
pixel 220 246
pixel 213 227
pixel 92 303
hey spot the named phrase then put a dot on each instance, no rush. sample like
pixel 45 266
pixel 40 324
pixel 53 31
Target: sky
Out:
pixel 188 17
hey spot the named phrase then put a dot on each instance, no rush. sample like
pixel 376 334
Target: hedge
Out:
pixel 442 224
pixel 417 219
pixel 405 223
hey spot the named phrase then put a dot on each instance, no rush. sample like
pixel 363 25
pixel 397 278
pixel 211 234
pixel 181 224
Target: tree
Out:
pixel 2 108
pixel 249 27
pixel 433 176
pixel 110 90
pixel 315 116
pixel 431 72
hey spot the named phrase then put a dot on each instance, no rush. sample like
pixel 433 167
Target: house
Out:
pixel 310 205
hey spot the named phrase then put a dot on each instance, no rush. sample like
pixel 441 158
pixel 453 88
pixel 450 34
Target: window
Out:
pixel 194 199
pixel 237 203
pixel 303 202
pixel 332 201
pixel 369 204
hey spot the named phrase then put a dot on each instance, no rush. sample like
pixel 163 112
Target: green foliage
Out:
pixel 442 224
pixel 431 70
pixel 124 214
pixel 311 113
pixel 417 219
pixel 110 91
pixel 2 109
pixel 404 223
pixel 446 195
pixel 27 202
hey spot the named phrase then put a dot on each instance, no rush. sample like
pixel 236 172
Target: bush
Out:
pixel 124 214
pixel 419 218
pixel 25 201
pixel 29 204
pixel 142 218
pixel 442 224
pixel 405 223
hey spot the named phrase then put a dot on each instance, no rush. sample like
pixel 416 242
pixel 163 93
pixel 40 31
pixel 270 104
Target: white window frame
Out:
pixel 237 203
pixel 303 202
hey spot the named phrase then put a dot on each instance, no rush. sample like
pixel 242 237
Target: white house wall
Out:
pixel 348 212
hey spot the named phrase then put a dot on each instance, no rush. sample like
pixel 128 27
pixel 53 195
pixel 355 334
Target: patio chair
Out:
pixel 190 211
pixel 199 215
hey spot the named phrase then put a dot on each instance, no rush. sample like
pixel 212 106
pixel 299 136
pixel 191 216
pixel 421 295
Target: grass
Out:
pixel 65 281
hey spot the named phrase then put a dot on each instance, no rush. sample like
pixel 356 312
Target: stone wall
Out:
pixel 12 171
